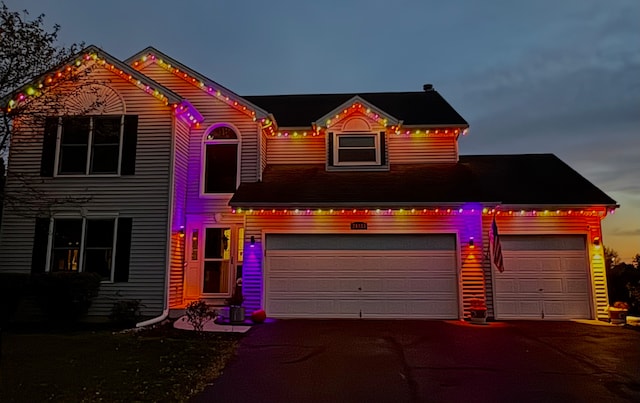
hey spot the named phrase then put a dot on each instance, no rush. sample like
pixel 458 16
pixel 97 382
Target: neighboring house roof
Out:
pixel 93 53
pixel 425 108
pixel 530 179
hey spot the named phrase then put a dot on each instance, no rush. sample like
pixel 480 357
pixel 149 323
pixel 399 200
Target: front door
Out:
pixel 222 259
pixel 215 263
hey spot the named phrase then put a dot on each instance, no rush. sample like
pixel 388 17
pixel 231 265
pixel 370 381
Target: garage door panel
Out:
pixel 552 285
pixel 577 286
pixel 516 309
pixel 560 272
pixel 574 265
pixel 378 283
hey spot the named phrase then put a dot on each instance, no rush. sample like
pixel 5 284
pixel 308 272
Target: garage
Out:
pixel 361 276
pixel 545 277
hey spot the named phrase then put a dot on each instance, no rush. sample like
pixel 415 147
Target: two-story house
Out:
pixel 326 206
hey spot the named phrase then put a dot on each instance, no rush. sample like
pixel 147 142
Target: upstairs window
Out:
pixel 356 149
pixel 89 145
pixel 221 147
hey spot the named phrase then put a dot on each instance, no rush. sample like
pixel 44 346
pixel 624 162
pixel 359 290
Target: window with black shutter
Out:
pixel 89 145
pixel 97 245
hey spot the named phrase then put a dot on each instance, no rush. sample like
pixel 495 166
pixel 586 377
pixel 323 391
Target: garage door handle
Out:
pixel 359 288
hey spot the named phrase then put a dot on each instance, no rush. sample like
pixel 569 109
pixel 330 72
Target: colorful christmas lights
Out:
pixel 358 108
pixel 92 57
pixel 267 124
pixel 599 212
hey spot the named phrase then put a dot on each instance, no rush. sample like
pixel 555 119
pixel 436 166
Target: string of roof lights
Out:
pixel 73 69
pixel 357 107
pixel 424 211
pixel 266 123
pixel 445 132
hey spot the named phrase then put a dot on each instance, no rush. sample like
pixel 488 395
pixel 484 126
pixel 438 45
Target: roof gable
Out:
pixel 356 105
pixel 78 63
pixel 151 55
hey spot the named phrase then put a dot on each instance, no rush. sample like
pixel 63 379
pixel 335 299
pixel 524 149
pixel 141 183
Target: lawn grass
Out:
pixel 160 364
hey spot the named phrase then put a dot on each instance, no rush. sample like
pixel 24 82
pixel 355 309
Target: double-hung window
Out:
pixel 220 174
pixel 357 149
pixel 83 245
pixel 89 145
pixel 95 245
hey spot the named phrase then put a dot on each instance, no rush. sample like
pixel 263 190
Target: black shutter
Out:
pixel 123 250
pixel 330 149
pixel 129 144
pixel 383 149
pixel 40 243
pixel 49 146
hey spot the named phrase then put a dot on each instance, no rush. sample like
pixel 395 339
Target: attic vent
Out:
pixel 427 87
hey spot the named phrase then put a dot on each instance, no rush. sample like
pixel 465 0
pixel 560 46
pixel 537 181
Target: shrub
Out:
pixel 66 295
pixel 13 288
pixel 199 312
pixel 126 312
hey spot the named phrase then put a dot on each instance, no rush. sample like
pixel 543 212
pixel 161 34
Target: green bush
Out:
pixel 66 295
pixel 13 288
pixel 198 312
pixel 126 312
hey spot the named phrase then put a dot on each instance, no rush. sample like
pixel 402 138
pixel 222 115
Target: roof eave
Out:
pixel 260 113
pixel 172 97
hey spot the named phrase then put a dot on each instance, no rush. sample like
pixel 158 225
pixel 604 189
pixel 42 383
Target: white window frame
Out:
pixel 231 262
pixel 87 170
pixel 83 237
pixel 203 158
pixel 337 148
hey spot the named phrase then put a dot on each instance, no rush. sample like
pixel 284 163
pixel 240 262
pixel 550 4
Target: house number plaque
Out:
pixel 358 225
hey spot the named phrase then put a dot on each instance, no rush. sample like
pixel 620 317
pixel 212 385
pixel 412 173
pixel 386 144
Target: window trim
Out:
pixel 81 255
pixel 87 170
pixel 203 158
pixel 337 148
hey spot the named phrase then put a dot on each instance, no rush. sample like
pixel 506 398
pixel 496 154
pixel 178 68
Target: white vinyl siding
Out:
pixel 214 112
pixel 143 197
pixel 296 150
pixel 421 149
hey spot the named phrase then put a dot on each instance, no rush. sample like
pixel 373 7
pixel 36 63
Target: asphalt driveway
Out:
pixel 431 361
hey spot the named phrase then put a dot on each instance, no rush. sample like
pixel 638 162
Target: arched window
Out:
pixel 220 160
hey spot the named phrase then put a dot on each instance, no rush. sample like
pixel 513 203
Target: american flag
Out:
pixel 496 248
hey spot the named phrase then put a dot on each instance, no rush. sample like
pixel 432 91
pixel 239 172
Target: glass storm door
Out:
pixel 222 259
pixel 217 261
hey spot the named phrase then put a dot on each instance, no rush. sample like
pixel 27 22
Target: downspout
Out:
pixel 165 310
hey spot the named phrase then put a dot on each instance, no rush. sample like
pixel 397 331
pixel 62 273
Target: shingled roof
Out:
pixel 529 179
pixel 426 108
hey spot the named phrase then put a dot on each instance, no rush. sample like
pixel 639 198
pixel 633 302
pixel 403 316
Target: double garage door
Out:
pixel 361 276
pixel 545 277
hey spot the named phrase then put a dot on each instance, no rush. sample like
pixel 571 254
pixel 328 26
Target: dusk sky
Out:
pixel 559 77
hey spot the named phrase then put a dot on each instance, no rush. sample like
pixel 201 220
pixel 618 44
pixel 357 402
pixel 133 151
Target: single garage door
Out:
pixel 545 277
pixel 361 276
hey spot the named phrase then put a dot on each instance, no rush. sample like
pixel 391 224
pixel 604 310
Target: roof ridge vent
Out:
pixel 427 87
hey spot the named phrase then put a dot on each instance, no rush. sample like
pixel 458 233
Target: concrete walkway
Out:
pixel 432 361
